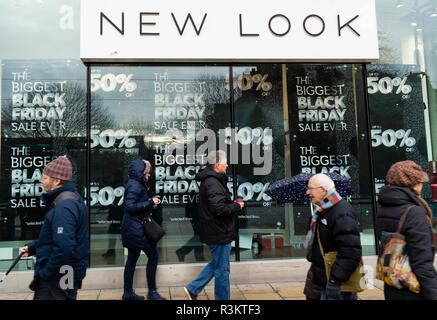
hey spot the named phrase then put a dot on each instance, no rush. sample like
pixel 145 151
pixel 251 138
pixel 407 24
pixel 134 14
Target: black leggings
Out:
pixel 152 263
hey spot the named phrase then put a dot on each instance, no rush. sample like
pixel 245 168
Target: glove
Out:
pixel 333 289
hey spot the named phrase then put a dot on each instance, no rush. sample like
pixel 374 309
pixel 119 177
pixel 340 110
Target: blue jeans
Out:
pixel 344 295
pixel 219 268
pixel 152 263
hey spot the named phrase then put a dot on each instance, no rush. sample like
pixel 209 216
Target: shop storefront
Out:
pixel 283 91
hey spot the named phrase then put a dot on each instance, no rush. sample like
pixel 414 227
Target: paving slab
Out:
pixel 110 294
pixel 88 294
pixel 256 288
pixel 287 292
pixel 15 296
pixel 236 293
pixel 262 296
pixel 251 291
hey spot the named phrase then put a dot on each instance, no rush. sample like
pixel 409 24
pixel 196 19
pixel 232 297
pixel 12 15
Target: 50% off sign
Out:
pixel 110 81
pixel 112 138
pixel 106 196
pixel 249 191
pixel 390 138
pixel 248 135
pixel 246 82
pixel 387 85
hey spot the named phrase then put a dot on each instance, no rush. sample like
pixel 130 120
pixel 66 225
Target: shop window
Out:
pixel 43 116
pixel 328 133
pixel 155 113
pixel 402 90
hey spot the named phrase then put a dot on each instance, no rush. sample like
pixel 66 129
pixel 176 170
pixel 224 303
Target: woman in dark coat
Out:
pixel 136 206
pixel 405 180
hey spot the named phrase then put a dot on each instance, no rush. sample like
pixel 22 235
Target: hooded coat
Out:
pixel 63 239
pixel 418 235
pixel 136 206
pixel 217 212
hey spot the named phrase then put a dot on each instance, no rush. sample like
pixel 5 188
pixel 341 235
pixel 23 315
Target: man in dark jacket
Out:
pixel 336 225
pixel 217 226
pixel 63 244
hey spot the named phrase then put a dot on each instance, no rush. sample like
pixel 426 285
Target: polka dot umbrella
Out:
pixel 293 190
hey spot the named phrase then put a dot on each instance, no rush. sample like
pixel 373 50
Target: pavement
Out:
pixel 251 291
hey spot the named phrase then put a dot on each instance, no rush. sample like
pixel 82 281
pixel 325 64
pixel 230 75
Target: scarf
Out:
pixel 332 198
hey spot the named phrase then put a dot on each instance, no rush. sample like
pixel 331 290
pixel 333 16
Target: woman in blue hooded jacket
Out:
pixel 136 206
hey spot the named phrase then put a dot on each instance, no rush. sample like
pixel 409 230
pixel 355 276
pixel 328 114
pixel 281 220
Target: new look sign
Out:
pixel 242 30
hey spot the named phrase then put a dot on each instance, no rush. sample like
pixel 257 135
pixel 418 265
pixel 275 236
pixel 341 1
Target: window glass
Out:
pixel 158 114
pixel 328 134
pixel 403 87
pixel 43 108
pixel 40 29
pixel 259 135
pixel 43 115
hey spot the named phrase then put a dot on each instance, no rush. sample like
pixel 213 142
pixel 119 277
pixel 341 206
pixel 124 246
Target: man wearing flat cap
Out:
pixel 62 248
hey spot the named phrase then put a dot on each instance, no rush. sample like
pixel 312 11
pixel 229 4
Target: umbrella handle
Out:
pixel 13 264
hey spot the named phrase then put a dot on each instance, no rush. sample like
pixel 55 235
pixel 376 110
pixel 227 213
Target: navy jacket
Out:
pixel 418 235
pixel 217 212
pixel 64 238
pixel 136 206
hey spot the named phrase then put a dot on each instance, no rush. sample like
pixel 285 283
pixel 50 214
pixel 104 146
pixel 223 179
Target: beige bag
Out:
pixel 356 282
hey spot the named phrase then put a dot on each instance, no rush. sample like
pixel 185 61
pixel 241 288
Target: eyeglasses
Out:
pixel 314 188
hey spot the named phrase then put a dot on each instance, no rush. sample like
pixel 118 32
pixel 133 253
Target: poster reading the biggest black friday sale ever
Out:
pixel 322 121
pixel 43 110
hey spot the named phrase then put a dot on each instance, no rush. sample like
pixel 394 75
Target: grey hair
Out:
pixel 148 166
pixel 214 157
pixel 324 181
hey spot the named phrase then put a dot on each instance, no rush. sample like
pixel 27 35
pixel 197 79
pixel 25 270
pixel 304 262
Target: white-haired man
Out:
pixel 217 227
pixel 335 223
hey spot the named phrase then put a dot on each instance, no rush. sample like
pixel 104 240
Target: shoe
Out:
pixel 180 255
pixel 131 295
pixel 154 295
pixel 190 295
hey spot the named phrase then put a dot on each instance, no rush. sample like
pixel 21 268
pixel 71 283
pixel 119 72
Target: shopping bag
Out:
pixel 393 265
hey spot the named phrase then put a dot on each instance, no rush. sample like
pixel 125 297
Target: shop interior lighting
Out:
pixel 400 4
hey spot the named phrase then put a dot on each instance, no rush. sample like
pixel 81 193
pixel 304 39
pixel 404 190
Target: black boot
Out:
pixel 154 295
pixel 131 295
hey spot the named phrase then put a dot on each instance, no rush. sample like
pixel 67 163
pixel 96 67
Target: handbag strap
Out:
pixel 320 242
pixel 322 251
pixel 403 218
